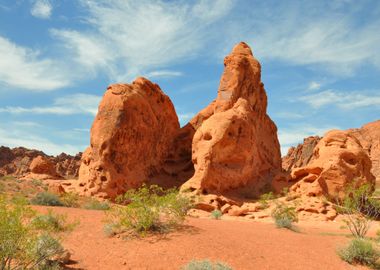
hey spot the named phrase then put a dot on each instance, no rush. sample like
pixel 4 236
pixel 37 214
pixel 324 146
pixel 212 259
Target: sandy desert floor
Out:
pixel 241 244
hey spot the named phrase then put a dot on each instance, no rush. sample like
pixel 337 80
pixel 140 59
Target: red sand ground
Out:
pixel 241 244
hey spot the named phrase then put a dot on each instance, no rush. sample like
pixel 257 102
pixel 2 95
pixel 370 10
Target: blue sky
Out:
pixel 320 61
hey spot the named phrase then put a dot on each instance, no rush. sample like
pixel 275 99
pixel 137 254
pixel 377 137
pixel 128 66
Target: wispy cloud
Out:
pixel 41 9
pixel 22 67
pixel 288 115
pixel 185 117
pixel 164 74
pixel 67 105
pixel 13 136
pixel 342 99
pixel 313 85
pixel 314 33
pixel 130 38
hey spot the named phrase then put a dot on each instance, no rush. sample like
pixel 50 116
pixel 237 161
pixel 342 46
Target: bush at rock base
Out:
pixel 47 199
pixel 284 216
pixel 360 251
pixel 149 209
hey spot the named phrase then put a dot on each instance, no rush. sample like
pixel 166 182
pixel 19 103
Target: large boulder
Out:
pixel 42 165
pixel 131 136
pixel 339 162
pixel 235 142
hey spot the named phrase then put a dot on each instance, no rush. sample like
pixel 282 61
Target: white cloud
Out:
pixel 288 115
pixel 67 105
pixel 164 74
pixel 22 67
pixel 342 99
pixel 42 9
pixel 13 136
pixel 312 33
pixel 185 117
pixel 314 85
pixel 130 38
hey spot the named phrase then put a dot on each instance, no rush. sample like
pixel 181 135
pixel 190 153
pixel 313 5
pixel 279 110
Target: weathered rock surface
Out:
pixel 131 137
pixel 338 161
pixel 369 138
pixel 42 165
pixel 235 142
pixel 17 162
pixel 300 155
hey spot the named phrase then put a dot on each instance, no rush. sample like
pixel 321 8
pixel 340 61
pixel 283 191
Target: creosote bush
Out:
pixel 70 199
pixel 52 222
pixel 264 198
pixel 360 251
pixel 284 216
pixel 149 208
pixel 23 245
pixel 206 265
pixel 47 199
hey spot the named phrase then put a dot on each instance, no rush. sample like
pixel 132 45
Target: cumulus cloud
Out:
pixel 41 9
pixel 66 105
pixel 22 67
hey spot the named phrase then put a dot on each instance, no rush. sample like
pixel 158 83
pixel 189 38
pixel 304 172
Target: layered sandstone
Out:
pixel 235 142
pixel 131 136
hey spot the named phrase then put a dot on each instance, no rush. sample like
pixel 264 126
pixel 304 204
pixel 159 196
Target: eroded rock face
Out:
pixel 42 165
pixel 17 162
pixel 369 138
pixel 131 137
pixel 300 155
pixel 235 142
pixel 338 161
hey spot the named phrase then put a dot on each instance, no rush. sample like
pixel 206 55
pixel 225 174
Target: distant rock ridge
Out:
pixel 18 162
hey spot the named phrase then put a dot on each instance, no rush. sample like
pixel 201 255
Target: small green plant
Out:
pixel 47 199
pixel 284 216
pixel 264 198
pixel 206 265
pixel 70 199
pixel 360 251
pixel 216 214
pixel 359 209
pixel 52 222
pixel 22 244
pixel 149 208
pixel 37 182
pixel 96 205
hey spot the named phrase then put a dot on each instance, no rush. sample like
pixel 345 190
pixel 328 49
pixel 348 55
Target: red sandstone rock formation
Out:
pixel 300 155
pixel 235 142
pixel 42 165
pixel 131 137
pixel 17 162
pixel 338 161
pixel 369 138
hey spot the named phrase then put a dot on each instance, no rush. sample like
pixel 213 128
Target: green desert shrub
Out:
pixel 284 216
pixel 149 208
pixel 359 209
pixel 94 204
pixel 360 251
pixel 52 222
pixel 206 265
pixel 264 198
pixel 47 199
pixel 216 214
pixel 70 199
pixel 22 244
